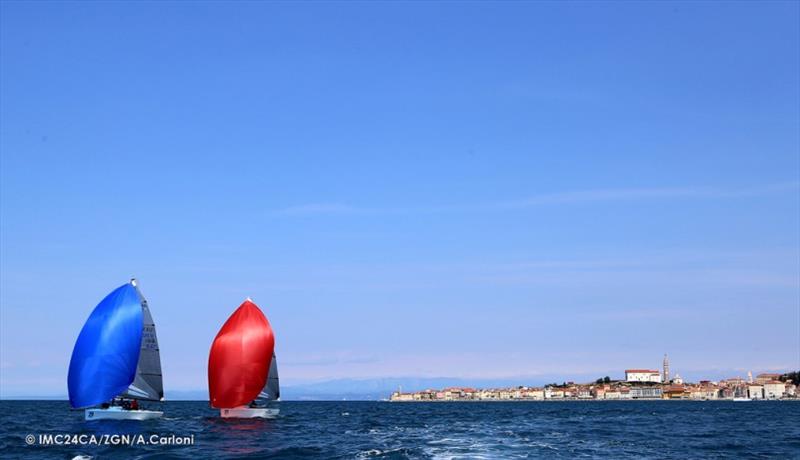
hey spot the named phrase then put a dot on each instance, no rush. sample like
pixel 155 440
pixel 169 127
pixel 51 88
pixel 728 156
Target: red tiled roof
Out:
pixel 628 371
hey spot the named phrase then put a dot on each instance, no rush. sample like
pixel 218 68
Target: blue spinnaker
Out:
pixel 104 359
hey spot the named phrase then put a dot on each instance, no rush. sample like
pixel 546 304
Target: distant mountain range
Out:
pixel 379 388
pixel 353 389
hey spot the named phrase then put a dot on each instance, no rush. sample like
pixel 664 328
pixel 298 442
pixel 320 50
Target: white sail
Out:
pixel 148 383
pixel 272 389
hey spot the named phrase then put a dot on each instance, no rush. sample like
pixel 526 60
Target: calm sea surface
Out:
pixel 631 429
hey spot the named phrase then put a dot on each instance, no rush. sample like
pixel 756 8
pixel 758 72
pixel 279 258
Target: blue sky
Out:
pixel 406 189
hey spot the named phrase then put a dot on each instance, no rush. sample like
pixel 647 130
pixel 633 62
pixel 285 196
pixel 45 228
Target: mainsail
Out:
pixel 239 360
pixel 106 354
pixel 148 382
pixel 272 390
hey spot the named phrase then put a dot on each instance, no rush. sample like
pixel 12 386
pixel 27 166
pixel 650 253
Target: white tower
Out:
pixel 666 368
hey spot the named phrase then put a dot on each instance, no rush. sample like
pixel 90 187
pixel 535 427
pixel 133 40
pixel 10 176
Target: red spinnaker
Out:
pixel 240 357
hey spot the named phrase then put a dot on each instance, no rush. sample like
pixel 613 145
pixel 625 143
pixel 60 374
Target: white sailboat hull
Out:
pixel 249 412
pixel 742 399
pixel 118 413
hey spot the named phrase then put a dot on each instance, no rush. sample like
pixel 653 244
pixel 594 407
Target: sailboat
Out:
pixel 116 361
pixel 242 367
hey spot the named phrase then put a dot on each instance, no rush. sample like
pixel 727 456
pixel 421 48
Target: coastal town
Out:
pixel 639 384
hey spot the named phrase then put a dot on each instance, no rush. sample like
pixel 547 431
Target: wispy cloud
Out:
pixel 558 198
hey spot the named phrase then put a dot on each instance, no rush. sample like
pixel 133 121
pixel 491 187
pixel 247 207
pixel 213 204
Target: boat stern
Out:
pixel 118 413
pixel 249 412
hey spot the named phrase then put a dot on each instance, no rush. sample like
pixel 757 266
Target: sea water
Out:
pixel 622 429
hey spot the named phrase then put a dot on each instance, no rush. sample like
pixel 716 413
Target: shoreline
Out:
pixel 563 400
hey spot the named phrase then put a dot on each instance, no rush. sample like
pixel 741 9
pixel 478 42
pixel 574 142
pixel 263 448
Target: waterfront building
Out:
pixel 675 391
pixel 712 391
pixel 537 393
pixel 706 391
pixel 774 389
pixel 452 393
pixel 648 392
pixel 642 375
pixel 755 391
pixel 397 396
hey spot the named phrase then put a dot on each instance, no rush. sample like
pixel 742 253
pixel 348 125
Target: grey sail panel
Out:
pixel 148 383
pixel 272 389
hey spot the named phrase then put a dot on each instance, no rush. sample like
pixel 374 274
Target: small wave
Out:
pixel 82 457
pixel 542 445
pixel 380 453
pixel 443 441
